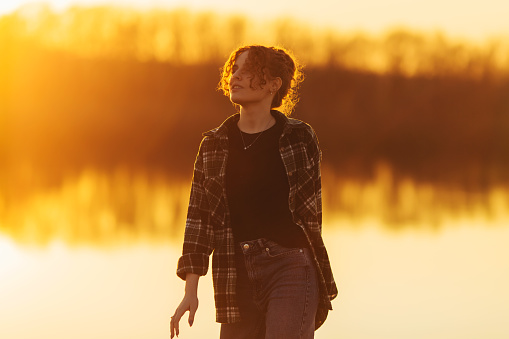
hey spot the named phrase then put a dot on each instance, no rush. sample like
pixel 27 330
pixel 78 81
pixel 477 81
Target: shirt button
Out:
pixel 246 246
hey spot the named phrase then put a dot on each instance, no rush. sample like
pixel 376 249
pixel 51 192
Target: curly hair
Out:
pixel 268 62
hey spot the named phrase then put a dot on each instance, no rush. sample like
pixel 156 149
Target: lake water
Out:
pixel 445 283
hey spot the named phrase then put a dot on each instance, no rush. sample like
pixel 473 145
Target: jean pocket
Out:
pixel 274 250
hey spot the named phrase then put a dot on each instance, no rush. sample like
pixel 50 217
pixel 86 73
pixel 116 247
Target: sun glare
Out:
pixel 471 20
pixel 10 256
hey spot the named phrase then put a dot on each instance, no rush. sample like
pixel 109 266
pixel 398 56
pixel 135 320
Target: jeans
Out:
pixel 277 292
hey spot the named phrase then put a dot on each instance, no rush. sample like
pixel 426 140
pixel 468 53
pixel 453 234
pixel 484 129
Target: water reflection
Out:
pixel 79 292
pixel 100 208
pixel 416 283
pixel 419 284
pixel 103 208
pixel 399 201
pixel 107 246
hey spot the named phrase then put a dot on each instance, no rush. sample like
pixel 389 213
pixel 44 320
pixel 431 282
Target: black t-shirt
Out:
pixel 257 188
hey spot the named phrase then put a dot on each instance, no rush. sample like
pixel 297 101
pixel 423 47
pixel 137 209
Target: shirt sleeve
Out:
pixel 316 160
pixel 198 235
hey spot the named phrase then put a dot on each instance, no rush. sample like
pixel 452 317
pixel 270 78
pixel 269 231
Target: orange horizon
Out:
pixel 462 21
pixel 188 37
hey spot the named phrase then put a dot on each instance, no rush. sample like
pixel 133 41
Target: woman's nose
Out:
pixel 236 75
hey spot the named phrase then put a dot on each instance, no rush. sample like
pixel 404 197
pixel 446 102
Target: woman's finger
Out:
pixel 192 311
pixel 172 329
pixel 174 324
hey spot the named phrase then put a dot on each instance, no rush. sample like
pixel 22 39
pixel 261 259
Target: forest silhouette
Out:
pixel 103 87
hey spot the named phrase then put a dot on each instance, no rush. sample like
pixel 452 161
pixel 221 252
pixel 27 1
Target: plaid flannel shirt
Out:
pixel 207 226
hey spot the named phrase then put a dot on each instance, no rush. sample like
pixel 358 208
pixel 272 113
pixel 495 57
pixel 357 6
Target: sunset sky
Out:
pixel 458 18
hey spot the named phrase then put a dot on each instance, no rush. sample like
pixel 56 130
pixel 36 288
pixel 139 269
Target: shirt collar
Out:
pixel 221 131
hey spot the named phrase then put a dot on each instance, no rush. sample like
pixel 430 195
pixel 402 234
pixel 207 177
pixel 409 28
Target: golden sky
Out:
pixel 458 18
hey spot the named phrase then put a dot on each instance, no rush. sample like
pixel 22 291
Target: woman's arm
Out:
pixel 197 247
pixel 199 235
pixel 188 303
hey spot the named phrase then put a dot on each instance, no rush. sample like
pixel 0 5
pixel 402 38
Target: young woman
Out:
pixel 256 204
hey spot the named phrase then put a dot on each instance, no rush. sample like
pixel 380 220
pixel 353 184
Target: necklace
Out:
pixel 251 144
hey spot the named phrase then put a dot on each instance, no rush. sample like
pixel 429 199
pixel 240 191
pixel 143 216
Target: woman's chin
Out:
pixel 236 100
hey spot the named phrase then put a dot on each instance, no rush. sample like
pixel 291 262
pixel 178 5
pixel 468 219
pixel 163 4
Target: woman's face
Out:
pixel 244 85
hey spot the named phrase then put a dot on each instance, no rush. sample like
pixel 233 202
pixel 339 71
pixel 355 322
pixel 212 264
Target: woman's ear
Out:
pixel 275 84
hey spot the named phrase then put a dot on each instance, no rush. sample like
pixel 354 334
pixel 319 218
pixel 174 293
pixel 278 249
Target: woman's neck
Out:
pixel 253 121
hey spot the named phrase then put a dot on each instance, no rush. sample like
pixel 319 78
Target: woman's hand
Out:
pixel 188 303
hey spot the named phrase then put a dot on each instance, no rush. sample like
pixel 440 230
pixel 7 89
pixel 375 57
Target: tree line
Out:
pixel 182 36
pixel 92 87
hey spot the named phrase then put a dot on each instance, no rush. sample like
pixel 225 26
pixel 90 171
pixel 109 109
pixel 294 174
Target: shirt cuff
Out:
pixel 197 263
